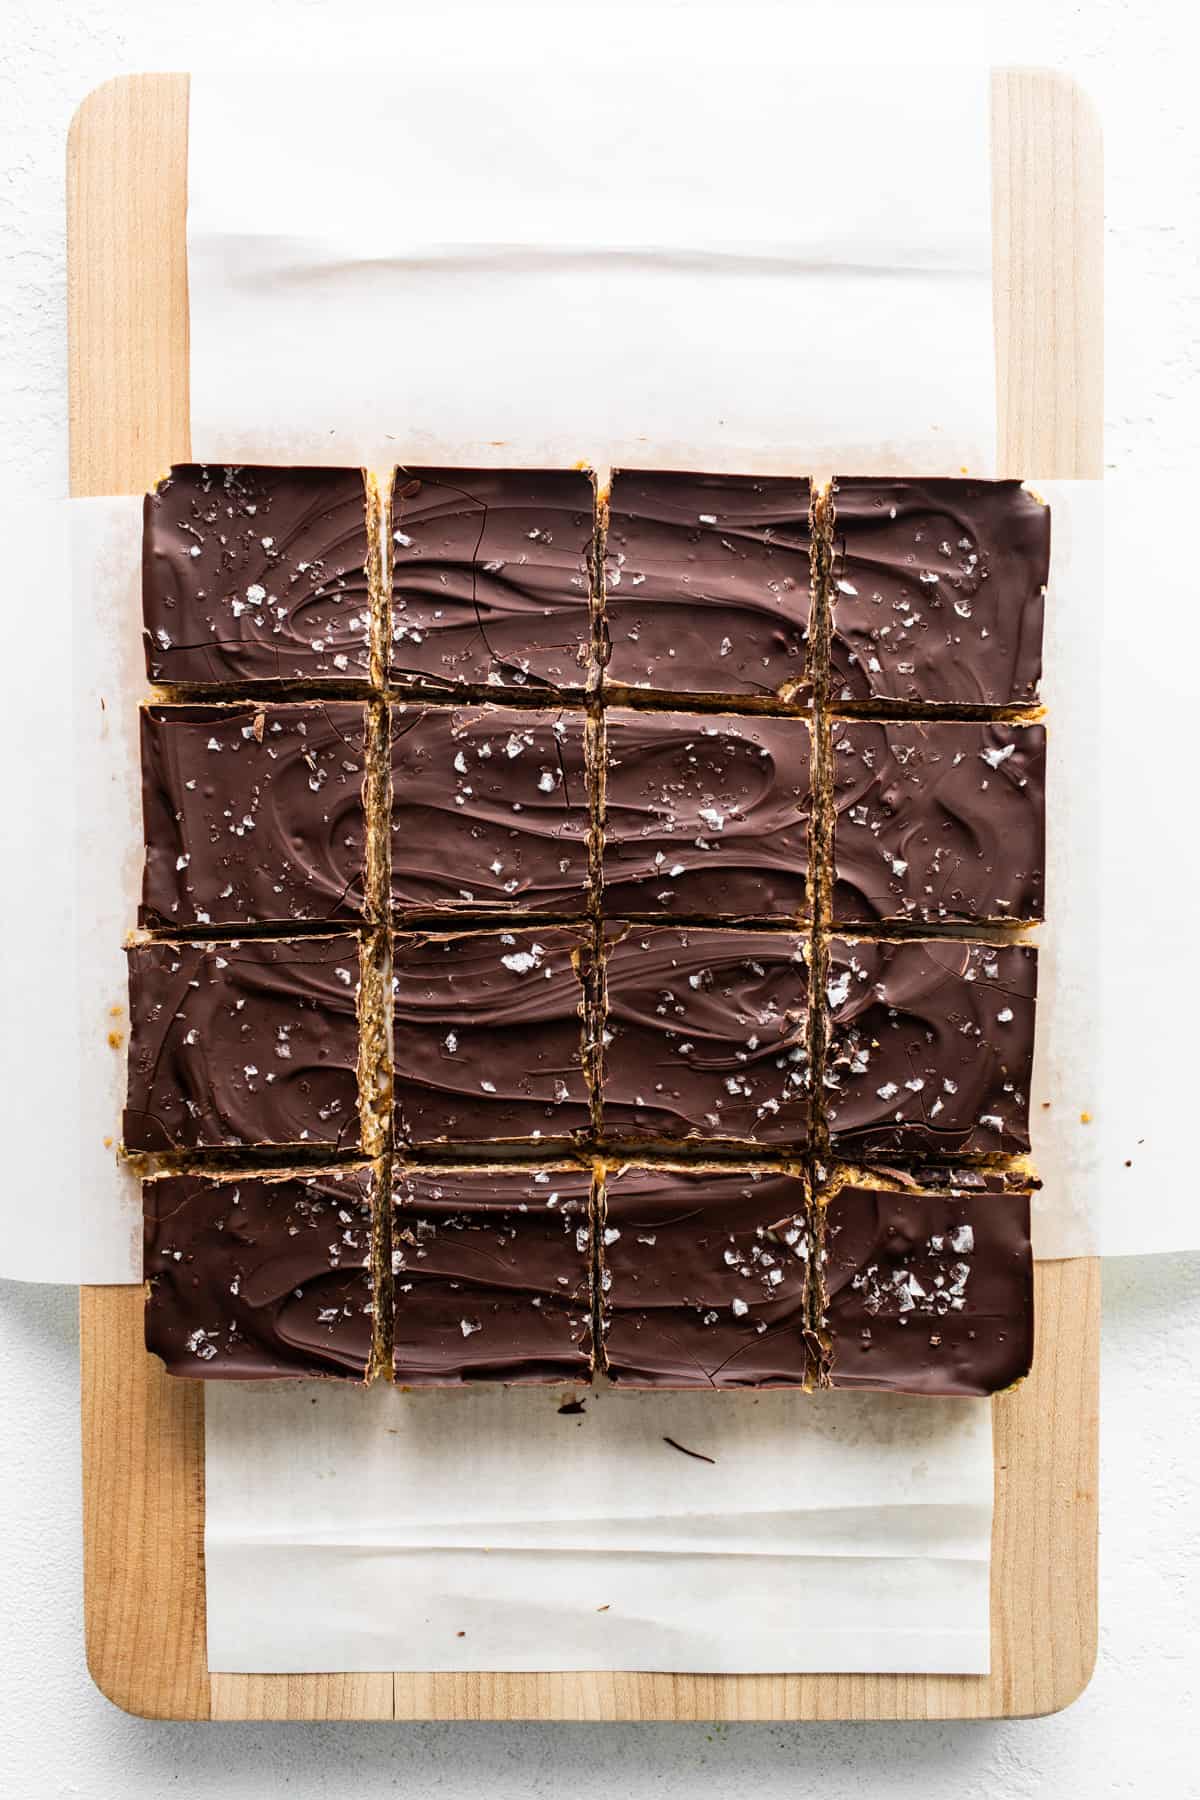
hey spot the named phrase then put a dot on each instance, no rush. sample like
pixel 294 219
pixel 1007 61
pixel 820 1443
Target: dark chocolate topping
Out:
pixel 930 1047
pixel 707 583
pixel 492 580
pixel 938 591
pixel 243 1043
pixel 941 821
pixel 928 1296
pixel 252 1278
pixel 706 815
pixel 489 1036
pixel 492 1275
pixel 705 1279
pixel 706 1036
pixel 253 814
pixel 256 574
pixel 699 1035
pixel 490 809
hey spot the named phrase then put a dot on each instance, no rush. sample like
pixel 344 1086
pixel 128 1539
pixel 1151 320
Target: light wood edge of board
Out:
pixel 1047 276
pixel 143 1437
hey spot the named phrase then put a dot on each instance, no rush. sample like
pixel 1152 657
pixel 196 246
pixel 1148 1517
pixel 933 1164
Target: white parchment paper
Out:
pixel 1114 1078
pixel 73 846
pixel 700 260
pixel 487 1530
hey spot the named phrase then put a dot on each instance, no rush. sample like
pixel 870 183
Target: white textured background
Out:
pixel 1129 1734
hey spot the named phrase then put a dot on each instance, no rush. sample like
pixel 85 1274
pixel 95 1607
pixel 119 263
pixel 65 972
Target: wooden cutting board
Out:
pixel 143 1432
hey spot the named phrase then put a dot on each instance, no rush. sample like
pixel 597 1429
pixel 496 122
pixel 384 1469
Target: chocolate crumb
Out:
pixel 698 1454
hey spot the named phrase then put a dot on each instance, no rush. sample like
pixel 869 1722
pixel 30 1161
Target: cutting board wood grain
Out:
pixel 143 1433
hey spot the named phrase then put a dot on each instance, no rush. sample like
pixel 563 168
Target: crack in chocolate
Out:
pixel 519 577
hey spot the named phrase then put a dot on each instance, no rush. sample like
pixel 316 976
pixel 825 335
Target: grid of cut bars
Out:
pixel 586 932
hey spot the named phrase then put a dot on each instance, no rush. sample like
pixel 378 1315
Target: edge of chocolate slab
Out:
pixel 492 1274
pixel 705 1276
pixel 929 1047
pixel 259 573
pixel 248 1043
pixel 937 591
pixel 253 814
pixel 937 822
pixel 261 1276
pixel 924 1291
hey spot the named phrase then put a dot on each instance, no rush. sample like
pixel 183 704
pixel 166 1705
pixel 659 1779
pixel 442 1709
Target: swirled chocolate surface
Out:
pixel 490 809
pixel 252 1043
pixel 256 574
pixel 706 815
pixel 927 1295
pixel 706 1036
pixel 938 591
pixel 488 1036
pixel 251 1278
pixel 491 577
pixel 253 814
pixel 938 821
pixel 930 1047
pixel 492 1275
pixel 707 583
pixel 705 1278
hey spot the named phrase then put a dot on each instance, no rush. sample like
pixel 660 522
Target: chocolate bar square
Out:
pixel 492 1275
pixel 707 584
pixel 489 1036
pixel 925 1293
pixel 930 1046
pixel 704 1278
pixel 491 579
pixel 244 1043
pixel 491 810
pixel 940 821
pixel 256 574
pixel 938 591
pixel 256 1276
pixel 706 1036
pixel 253 814
pixel 707 815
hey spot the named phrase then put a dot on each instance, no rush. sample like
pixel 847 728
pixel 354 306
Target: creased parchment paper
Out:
pixel 487 1530
pixel 716 259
